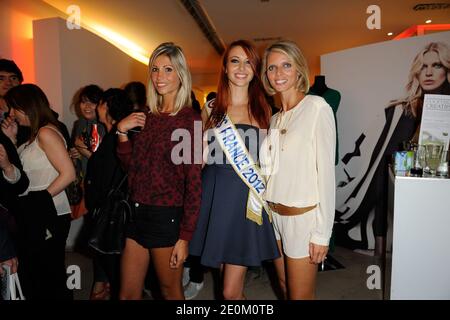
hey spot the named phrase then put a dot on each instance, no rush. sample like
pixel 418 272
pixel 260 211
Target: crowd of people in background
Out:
pixel 252 199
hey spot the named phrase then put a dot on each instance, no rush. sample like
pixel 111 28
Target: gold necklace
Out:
pixel 282 130
pixel 279 139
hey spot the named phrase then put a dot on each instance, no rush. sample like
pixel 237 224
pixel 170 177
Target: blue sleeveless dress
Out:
pixel 223 233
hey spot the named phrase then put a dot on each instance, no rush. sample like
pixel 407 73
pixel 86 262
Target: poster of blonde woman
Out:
pixel 383 87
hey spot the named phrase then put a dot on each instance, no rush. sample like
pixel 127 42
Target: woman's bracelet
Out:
pixel 121 133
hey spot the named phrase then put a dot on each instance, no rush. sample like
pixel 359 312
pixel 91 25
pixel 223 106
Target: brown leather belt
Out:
pixel 289 211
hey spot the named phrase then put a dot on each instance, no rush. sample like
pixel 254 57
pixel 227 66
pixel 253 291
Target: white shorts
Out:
pixel 295 232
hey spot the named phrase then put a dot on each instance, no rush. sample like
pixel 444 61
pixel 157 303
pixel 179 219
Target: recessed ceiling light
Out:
pixel 428 21
pixel 390 34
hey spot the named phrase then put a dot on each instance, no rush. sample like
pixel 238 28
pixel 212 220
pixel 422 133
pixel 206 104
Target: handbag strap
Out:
pixel 14 285
pixel 124 178
pixel 122 182
pixel 113 188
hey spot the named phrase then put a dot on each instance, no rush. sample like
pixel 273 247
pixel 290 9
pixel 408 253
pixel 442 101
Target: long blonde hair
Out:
pixel 183 97
pixel 414 98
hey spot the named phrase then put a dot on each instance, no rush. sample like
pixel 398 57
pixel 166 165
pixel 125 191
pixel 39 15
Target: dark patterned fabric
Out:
pixel 153 178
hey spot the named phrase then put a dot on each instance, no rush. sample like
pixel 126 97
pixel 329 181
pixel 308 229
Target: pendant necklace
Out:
pixel 283 130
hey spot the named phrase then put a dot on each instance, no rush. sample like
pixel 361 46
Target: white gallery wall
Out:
pixel 66 60
pixel 368 78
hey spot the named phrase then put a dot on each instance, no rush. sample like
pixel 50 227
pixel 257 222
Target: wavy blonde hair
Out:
pixel 176 56
pixel 413 101
pixel 293 52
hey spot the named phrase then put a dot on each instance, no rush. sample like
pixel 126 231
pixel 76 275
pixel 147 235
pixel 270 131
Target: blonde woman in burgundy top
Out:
pixel 298 159
pixel 165 190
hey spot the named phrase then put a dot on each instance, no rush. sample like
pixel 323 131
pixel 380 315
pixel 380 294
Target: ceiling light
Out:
pixel 428 21
pixel 390 34
pixel 122 43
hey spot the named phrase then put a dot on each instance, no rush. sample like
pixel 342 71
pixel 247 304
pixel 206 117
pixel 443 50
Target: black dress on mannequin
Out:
pixel 319 87
pixel 332 97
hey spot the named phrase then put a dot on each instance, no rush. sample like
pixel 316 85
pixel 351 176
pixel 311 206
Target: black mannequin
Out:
pixel 332 97
pixel 319 87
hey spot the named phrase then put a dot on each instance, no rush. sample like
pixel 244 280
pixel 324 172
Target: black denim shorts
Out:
pixel 154 226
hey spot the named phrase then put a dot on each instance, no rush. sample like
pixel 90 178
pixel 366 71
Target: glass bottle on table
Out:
pixel 418 161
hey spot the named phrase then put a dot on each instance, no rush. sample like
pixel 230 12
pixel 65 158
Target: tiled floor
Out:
pixel 349 282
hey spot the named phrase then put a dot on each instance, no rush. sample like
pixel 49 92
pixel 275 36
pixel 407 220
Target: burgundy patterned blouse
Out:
pixel 153 178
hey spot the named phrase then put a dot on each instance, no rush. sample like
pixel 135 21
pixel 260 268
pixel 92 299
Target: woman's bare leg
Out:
pixel 233 282
pixel 281 271
pixel 169 279
pixel 134 265
pixel 301 278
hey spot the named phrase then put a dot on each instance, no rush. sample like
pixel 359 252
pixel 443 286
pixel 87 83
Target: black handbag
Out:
pixel 109 221
pixel 74 190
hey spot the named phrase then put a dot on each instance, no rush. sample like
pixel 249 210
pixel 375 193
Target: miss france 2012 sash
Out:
pixel 243 164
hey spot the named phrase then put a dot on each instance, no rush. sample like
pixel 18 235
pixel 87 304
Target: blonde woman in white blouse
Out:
pixel 297 158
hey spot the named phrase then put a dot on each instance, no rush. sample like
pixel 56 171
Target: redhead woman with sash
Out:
pixel 234 230
pixel 298 160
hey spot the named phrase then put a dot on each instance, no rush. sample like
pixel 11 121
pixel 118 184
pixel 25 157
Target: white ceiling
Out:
pixel 319 27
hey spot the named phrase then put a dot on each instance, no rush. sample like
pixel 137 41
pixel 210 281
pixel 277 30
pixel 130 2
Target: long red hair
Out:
pixel 259 108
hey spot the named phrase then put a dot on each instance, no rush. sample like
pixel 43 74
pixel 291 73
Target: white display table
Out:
pixel 419 267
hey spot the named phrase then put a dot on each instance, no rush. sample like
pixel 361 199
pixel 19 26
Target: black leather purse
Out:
pixel 74 190
pixel 109 221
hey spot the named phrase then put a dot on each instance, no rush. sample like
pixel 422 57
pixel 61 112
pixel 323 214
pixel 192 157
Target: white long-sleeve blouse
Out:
pixel 299 164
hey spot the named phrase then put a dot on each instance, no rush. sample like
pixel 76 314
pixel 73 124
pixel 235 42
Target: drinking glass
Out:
pixel 433 154
pixel 442 170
